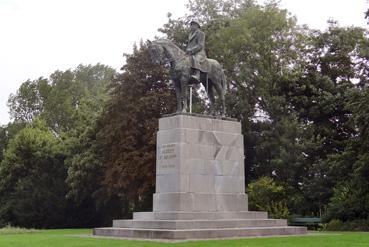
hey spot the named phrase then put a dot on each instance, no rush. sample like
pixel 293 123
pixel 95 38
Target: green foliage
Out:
pixel 7 132
pixel 351 194
pixel 77 97
pixel 57 113
pixel 265 195
pixel 355 225
pixel 142 93
pixel 321 97
pixel 350 200
pixel 116 163
pixel 334 225
pixel 32 174
pixel 353 206
pixel 66 101
pixel 263 191
pixel 278 210
pixel 16 230
pixel 28 102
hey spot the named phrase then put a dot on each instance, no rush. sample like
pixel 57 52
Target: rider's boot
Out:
pixel 196 75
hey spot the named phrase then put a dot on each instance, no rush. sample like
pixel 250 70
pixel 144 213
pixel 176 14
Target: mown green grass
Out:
pixel 77 238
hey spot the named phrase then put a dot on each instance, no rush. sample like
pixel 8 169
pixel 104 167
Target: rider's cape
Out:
pixel 196 46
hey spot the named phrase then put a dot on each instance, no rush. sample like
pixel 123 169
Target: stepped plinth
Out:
pixel 200 186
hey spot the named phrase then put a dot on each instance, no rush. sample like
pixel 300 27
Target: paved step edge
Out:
pixel 198 224
pixel 199 215
pixel 198 233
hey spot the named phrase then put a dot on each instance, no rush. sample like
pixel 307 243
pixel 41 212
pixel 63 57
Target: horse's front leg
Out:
pixel 223 105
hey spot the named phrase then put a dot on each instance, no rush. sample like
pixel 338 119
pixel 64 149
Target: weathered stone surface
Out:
pixel 200 186
pixel 203 137
pixel 199 123
pixel 199 233
pixel 219 215
pixel 198 155
pixel 198 224
pixel 195 202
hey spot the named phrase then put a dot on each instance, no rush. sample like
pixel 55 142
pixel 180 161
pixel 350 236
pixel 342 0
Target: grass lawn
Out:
pixel 72 238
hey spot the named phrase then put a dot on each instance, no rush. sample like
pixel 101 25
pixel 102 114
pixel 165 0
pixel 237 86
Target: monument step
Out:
pixel 182 215
pixel 197 224
pixel 198 233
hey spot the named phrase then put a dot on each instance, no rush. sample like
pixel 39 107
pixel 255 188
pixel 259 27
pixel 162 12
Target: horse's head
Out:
pixel 157 52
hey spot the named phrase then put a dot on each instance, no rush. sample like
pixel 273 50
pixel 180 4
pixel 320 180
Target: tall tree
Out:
pixel 32 174
pixel 28 103
pixel 331 73
pixel 64 99
pixel 68 103
pixel 7 132
pixel 351 194
pixel 121 149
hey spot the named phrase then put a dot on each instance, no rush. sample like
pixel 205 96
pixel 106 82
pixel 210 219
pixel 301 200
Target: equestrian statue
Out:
pixel 191 67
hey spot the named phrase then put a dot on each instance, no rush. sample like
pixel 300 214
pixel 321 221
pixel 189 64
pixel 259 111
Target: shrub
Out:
pixel 16 230
pixel 334 225
pixel 354 225
pixel 277 210
pixel 266 195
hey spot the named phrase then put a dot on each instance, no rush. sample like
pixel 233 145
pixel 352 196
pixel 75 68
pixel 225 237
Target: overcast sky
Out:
pixel 38 37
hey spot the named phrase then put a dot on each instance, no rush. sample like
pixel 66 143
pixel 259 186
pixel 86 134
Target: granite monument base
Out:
pixel 200 190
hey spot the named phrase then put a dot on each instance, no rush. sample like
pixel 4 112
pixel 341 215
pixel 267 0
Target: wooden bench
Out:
pixel 310 222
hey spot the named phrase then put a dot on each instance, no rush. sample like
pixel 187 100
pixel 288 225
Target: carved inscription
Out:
pixel 166 153
pixel 167 166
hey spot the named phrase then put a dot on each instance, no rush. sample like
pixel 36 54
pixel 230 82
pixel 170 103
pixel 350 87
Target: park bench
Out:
pixel 310 222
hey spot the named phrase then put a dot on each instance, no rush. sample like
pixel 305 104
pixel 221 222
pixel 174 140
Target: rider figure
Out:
pixel 196 49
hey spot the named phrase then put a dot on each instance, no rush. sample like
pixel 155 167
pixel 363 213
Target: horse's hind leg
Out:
pixel 220 92
pixel 210 93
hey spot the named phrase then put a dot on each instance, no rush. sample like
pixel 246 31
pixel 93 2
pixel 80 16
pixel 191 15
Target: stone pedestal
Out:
pixel 200 186
pixel 199 165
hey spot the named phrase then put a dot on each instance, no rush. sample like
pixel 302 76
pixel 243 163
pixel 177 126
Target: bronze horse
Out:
pixel 164 51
